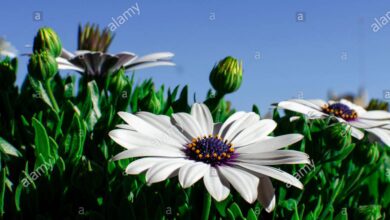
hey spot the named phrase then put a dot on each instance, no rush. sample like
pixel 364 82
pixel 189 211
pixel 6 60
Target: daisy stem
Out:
pixel 51 96
pixel 206 205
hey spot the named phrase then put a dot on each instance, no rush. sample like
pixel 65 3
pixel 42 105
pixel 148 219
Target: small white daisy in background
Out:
pixel 344 111
pixel 6 48
pixel 95 63
pixel 237 153
pixel 91 57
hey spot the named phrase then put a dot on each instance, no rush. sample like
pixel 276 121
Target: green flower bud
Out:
pixel 8 69
pixel 368 212
pixel 150 103
pixel 226 76
pixel 376 104
pixel 47 39
pixel 118 82
pixel 367 153
pixel 338 136
pixel 42 66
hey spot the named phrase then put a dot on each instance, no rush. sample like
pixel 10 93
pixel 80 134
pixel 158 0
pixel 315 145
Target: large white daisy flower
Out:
pixel 236 153
pixel 356 117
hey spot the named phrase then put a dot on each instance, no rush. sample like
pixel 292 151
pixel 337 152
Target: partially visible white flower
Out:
pixel 6 48
pixel 96 63
pixel 237 153
pixel 356 117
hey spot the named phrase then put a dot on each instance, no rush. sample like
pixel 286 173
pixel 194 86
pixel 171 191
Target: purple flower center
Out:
pixel 340 110
pixel 212 150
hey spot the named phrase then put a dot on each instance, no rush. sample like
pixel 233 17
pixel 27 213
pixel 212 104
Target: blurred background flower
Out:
pixel 6 48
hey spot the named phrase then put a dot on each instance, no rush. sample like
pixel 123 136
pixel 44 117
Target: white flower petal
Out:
pixel 266 194
pixel 240 124
pixel 245 183
pixel 163 123
pixel 155 57
pixel 230 121
pixel 274 173
pixel 359 110
pixel 217 186
pixel 358 134
pixel 142 164
pixel 376 114
pixel 191 173
pixel 130 139
pixel 152 130
pixel 382 134
pixel 64 64
pixel 135 65
pixel 163 170
pixel 271 144
pixel 202 114
pixel 254 133
pixel 315 104
pixel 188 123
pixel 278 157
pixel 125 126
pixel 303 109
pixel 148 152
pixel 367 123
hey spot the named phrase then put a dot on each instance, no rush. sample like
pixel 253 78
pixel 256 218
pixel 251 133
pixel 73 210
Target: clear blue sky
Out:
pixel 296 57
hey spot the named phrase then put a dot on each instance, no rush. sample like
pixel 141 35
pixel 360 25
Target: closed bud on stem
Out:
pixel 226 76
pixel 8 69
pixel 42 66
pixel 150 103
pixel 47 40
pixel 118 82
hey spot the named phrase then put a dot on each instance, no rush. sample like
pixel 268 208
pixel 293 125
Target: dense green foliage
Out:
pixel 55 157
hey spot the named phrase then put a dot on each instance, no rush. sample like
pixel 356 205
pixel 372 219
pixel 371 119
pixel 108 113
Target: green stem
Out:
pixel 206 205
pixel 51 96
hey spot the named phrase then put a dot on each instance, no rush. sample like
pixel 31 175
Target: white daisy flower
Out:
pixel 356 117
pixel 237 153
pixel 96 63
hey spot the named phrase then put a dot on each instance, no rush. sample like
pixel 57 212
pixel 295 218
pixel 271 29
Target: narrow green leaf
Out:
pixel 41 141
pixel 7 148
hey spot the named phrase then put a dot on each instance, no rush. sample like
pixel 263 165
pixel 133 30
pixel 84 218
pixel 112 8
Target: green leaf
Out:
pixel 8 149
pixel 251 215
pixel 2 191
pixel 40 91
pixel 255 109
pixel 18 194
pixel 235 209
pixel 221 206
pixel 74 139
pixel 41 140
pixel 343 215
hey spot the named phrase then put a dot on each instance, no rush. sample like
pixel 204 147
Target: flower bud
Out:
pixel 118 82
pixel 150 103
pixel 368 212
pixel 376 104
pixel 367 154
pixel 47 39
pixel 226 76
pixel 8 69
pixel 42 66
pixel 338 136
